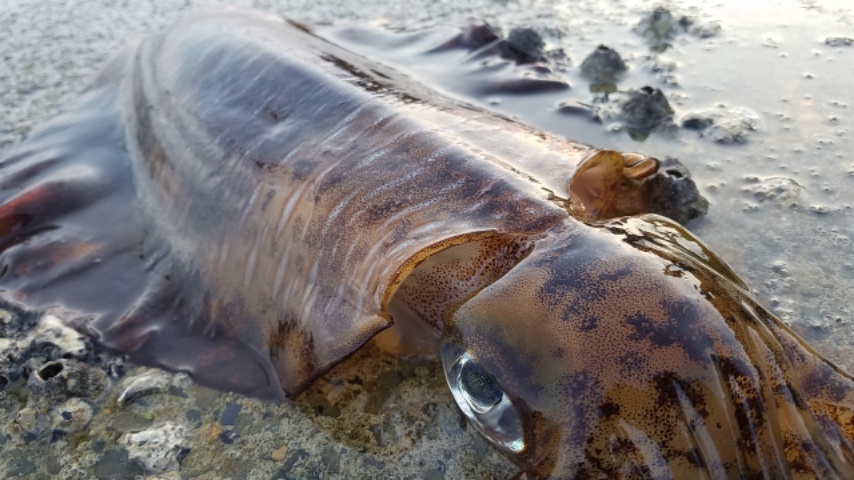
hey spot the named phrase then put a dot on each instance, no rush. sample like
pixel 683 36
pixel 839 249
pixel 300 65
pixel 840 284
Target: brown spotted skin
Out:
pixel 241 200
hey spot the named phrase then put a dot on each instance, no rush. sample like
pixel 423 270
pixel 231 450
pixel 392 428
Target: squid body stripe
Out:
pixel 346 123
pixel 700 435
pixel 339 208
pixel 415 173
pixel 251 262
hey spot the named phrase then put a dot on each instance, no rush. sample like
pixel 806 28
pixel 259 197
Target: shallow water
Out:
pixel 382 416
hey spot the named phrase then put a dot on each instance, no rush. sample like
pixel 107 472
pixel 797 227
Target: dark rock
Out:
pixel 182 454
pixel 525 45
pixel 674 193
pixel 603 65
pixel 660 24
pixel 228 436
pixel 115 464
pixel 839 41
pixel 645 108
pixel 194 416
pixel 229 415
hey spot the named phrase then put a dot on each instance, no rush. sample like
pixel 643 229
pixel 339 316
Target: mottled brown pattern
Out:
pixel 240 199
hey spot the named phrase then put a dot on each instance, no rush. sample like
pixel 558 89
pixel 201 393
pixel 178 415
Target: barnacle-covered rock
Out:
pixel 72 416
pixel 722 124
pixel 51 331
pixel 643 109
pixel 158 448
pixel 57 381
pixel 603 65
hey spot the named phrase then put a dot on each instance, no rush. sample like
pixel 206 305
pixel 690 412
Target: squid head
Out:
pixel 625 348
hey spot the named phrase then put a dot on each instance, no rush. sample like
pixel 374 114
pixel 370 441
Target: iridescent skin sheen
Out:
pixel 238 198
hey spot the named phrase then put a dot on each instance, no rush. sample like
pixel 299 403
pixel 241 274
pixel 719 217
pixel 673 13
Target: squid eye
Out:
pixel 482 400
pixel 479 389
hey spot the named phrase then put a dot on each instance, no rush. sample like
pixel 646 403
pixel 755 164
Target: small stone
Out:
pixel 839 41
pixel 280 453
pixel 151 382
pixel 229 415
pixel 214 432
pixel 228 437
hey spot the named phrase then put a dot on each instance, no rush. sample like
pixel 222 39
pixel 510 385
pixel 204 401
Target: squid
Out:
pixel 240 199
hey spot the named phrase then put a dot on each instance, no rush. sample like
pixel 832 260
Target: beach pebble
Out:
pixel 280 453
pixel 152 381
